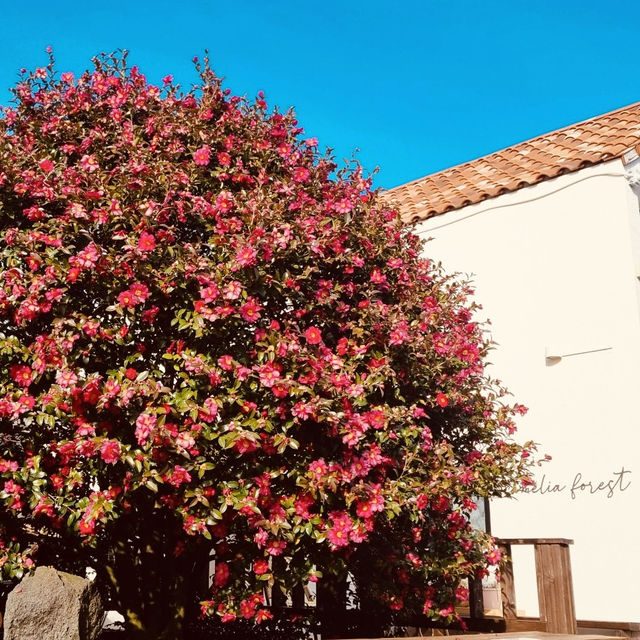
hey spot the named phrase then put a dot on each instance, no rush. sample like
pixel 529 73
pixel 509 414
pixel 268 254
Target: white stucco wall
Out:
pixel 555 272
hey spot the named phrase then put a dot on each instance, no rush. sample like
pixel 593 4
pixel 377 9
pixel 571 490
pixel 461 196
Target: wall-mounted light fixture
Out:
pixel 553 354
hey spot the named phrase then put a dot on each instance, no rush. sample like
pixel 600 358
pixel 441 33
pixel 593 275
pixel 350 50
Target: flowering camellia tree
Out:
pixel 209 342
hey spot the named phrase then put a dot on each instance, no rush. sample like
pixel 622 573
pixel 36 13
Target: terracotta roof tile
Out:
pixel 577 146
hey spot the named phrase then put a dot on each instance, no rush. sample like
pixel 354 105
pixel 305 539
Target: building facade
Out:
pixel 549 232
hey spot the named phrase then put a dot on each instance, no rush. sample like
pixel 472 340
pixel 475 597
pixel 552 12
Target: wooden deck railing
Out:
pixel 556 607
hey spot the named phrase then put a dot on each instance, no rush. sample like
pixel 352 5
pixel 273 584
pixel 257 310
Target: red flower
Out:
pixel 87 527
pixel 46 165
pixel 363 509
pixel 221 576
pixel 179 475
pixel 313 335
pixel 21 374
pixel 260 567
pixel 262 615
pixel 442 400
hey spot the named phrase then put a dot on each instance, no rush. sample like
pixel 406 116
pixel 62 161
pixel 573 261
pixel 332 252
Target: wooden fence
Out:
pixel 555 600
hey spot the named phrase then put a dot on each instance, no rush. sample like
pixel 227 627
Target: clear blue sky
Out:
pixel 416 86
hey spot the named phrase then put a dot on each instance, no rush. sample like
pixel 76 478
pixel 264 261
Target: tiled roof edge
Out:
pixel 436 201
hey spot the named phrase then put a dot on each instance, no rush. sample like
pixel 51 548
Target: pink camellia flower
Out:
pixel 87 258
pixel 276 547
pixel 313 335
pixel 248 608
pixel 89 163
pixel 343 206
pixel 224 159
pixel 400 334
pixel 146 241
pixel 363 509
pixel 139 291
pixel 242 373
pixel 224 202
pixel 245 257
pixel 232 290
pixel 301 174
pixel 377 277
pixel 66 378
pixel 209 411
pixel 126 299
pixel 284 149
pixel 111 388
pixel 202 155
pixel 144 426
pixel 13 488
pixel 179 475
pixel 110 451
pixel 250 310
pixel 493 556
pixel 209 293
pixel 302 410
pixel 338 535
pixel 185 440
pixel 226 362
pixel 269 374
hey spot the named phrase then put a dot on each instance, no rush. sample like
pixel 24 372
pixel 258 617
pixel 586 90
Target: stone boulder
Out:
pixel 52 605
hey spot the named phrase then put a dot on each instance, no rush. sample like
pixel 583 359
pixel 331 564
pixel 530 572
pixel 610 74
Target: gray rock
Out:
pixel 52 605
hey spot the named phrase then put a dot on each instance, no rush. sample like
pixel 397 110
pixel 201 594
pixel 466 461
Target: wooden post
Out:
pixel 476 604
pixel 555 586
pixel 507 586
pixel 297 597
pixel 278 598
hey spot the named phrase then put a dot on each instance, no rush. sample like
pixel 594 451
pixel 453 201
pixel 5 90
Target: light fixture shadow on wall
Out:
pixel 554 354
